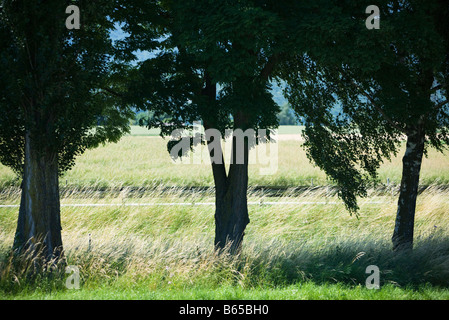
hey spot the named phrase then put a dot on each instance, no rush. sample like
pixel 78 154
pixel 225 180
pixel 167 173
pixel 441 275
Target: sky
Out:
pixel 119 34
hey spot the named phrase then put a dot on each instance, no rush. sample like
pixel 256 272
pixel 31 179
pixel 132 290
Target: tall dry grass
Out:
pixel 143 161
pixel 311 238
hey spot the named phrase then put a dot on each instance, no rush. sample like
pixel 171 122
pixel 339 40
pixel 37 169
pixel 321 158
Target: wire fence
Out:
pixel 149 204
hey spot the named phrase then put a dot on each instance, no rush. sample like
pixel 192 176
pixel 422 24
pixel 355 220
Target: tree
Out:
pixel 287 116
pixel 55 101
pixel 215 63
pixel 392 84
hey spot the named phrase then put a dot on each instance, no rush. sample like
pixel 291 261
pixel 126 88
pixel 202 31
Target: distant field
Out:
pixel 142 131
pixel 142 160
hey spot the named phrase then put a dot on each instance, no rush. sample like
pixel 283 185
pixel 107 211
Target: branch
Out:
pixel 441 104
pixel 378 109
pixel 218 169
pixel 436 88
pixel 438 106
pixel 268 69
pixel 113 92
pixel 373 102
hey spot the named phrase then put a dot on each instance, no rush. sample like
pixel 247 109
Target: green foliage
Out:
pixel 214 64
pixel 389 83
pixel 56 83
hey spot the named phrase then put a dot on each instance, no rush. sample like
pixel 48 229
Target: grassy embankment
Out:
pixel 310 248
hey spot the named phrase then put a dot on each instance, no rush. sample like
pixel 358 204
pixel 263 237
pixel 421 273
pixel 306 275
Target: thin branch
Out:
pixel 441 104
pixel 269 66
pixel 113 92
pixel 436 88
pixel 378 109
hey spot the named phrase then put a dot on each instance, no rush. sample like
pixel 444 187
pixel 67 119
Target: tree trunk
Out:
pixel 38 233
pixel 231 210
pixel 405 218
pixel 231 204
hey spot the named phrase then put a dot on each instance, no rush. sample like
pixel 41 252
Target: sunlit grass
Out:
pixel 143 161
pixel 309 250
pixel 309 247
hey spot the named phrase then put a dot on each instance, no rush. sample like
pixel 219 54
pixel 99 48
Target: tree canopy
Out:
pixel 391 85
pixel 55 81
pixel 59 92
pixel 387 82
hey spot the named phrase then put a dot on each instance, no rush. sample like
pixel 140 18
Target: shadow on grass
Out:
pixel 276 265
pixel 346 262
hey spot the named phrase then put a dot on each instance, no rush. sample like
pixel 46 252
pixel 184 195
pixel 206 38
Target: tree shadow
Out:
pixel 347 261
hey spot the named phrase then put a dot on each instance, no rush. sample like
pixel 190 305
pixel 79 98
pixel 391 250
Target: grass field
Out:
pixel 143 161
pixel 308 247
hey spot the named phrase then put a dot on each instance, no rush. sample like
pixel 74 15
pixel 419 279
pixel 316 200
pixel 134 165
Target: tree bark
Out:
pixel 231 204
pixel 38 233
pixel 231 207
pixel 405 218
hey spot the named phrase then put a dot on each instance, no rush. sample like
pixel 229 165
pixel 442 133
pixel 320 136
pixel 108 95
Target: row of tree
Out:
pixel 63 91
pixel 286 117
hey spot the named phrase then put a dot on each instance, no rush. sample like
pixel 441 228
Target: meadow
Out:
pixel 140 227
pixel 141 160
